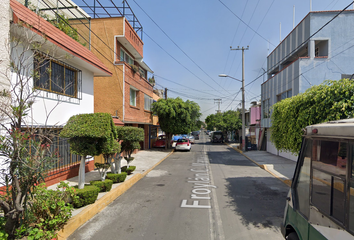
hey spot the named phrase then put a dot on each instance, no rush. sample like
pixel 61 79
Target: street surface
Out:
pixel 209 193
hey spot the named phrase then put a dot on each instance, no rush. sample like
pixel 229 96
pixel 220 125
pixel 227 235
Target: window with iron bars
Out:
pixel 56 76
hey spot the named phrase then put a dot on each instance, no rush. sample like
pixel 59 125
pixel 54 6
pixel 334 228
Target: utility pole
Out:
pixel 165 93
pixel 218 101
pixel 243 95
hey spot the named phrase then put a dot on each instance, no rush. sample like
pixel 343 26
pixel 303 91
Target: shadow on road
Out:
pixel 260 201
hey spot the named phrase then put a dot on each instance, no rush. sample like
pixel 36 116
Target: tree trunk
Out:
pixel 118 163
pixel 82 173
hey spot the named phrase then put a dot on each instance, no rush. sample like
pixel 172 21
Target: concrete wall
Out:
pixel 294 39
pixel 300 73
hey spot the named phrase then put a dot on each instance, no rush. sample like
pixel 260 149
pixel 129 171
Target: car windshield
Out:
pixel 182 140
pixel 161 137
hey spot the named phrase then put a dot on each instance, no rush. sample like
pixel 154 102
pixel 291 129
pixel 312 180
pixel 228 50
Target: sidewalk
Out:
pixel 279 167
pixel 147 160
pixel 144 161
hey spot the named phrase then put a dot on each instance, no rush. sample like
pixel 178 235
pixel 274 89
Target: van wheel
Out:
pixel 292 236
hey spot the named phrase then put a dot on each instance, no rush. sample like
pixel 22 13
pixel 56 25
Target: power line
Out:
pixel 306 41
pixel 179 48
pixel 245 23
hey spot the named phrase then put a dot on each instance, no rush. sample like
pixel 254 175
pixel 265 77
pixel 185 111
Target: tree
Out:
pixel 90 135
pixel 232 120
pixel 331 100
pixel 227 121
pixel 176 116
pixel 131 136
pixel 25 149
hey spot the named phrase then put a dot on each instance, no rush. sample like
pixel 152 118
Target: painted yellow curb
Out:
pixel 91 210
pixel 286 181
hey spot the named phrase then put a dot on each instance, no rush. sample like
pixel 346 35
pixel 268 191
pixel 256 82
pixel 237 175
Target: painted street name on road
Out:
pixel 202 185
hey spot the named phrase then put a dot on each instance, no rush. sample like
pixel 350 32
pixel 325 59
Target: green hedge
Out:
pixel 86 196
pixel 104 186
pixel 331 100
pixel 117 178
pixel 93 125
pixel 129 170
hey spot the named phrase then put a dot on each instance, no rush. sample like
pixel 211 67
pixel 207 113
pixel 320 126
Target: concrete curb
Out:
pixel 86 214
pixel 263 166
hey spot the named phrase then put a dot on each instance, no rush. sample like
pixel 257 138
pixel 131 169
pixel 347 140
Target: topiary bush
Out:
pixel 117 178
pixel 104 186
pixel 128 170
pixel 86 196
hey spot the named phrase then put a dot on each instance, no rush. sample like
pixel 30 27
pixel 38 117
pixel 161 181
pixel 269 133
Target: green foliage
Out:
pixel 117 177
pixel 104 186
pixel 331 100
pixel 91 125
pixel 91 134
pixel 49 211
pixel 176 116
pixel 226 121
pixel 131 134
pixel 62 23
pixel 128 170
pixel 87 195
pixel 102 165
pixel 152 80
pixel 3 234
pixel 131 137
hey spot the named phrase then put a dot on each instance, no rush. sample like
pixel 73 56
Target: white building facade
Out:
pixel 308 56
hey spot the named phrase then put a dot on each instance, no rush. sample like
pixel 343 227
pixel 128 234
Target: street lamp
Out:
pixel 243 107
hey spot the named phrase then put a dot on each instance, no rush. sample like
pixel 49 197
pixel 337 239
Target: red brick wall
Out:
pixel 136 114
pixel 70 172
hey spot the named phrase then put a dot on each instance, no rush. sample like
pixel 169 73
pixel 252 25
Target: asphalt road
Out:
pixel 209 193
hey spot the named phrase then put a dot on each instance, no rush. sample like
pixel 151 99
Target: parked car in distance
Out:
pixel 160 142
pixel 191 138
pixel 183 144
pixel 217 137
pixel 196 135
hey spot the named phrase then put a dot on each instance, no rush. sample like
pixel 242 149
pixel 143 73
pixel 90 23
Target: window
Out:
pixel 321 48
pixel 265 107
pixel 329 164
pixel 142 72
pixel 351 192
pixel 147 102
pixel 124 57
pixel 133 97
pixel 56 76
pixel 286 94
pixel 302 186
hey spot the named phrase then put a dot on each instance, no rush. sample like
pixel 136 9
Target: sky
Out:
pixel 187 44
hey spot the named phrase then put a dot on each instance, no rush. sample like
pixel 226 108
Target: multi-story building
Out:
pixel 307 56
pixel 128 94
pixel 65 83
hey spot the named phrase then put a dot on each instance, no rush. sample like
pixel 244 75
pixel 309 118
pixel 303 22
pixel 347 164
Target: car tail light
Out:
pixel 187 144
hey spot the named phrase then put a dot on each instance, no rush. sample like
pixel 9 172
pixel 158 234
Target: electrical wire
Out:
pixel 245 23
pixel 179 49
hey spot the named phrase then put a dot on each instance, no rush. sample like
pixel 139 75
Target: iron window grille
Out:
pixel 56 76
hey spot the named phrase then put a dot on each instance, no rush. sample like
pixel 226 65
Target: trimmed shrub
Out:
pixel 86 196
pixel 104 186
pixel 117 178
pixel 129 170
